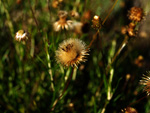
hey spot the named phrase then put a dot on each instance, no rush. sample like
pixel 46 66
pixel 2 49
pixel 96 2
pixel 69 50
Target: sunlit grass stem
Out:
pixel 49 65
pixel 109 90
pixel 50 71
pixel 124 43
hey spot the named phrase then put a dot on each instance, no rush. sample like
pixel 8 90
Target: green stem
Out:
pixel 50 72
pixel 61 95
pixel 124 43
pixel 109 91
pixel 10 25
pixel 104 108
pixel 50 69
pixel 36 22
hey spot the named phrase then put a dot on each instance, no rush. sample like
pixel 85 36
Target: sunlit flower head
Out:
pixel 63 23
pixel 135 14
pixel 146 82
pixel 71 52
pixel 21 35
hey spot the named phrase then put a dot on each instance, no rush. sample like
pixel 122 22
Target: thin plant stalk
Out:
pixel 50 70
pixel 10 25
pixel 94 37
pixel 66 86
pixel 109 90
pixel 124 43
pixel 104 108
pixel 49 65
pixel 109 12
pixel 36 22
pixel 49 8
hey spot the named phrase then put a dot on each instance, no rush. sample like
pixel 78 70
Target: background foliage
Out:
pixel 25 74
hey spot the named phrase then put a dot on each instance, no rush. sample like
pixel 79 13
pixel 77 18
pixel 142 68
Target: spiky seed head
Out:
pixel 146 82
pixel 21 35
pixel 135 14
pixel 71 52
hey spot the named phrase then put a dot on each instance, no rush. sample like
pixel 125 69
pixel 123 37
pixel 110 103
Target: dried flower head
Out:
pixel 131 31
pixel 87 15
pixel 135 14
pixel 146 82
pixel 62 23
pixel 132 25
pixel 74 14
pixel 77 27
pixel 56 3
pixel 124 30
pixel 71 52
pixel 97 22
pixel 130 110
pixel 139 61
pixel 62 14
pixel 21 35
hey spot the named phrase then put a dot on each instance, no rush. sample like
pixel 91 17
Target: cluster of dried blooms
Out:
pixel 135 14
pixel 64 24
pixel 71 51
